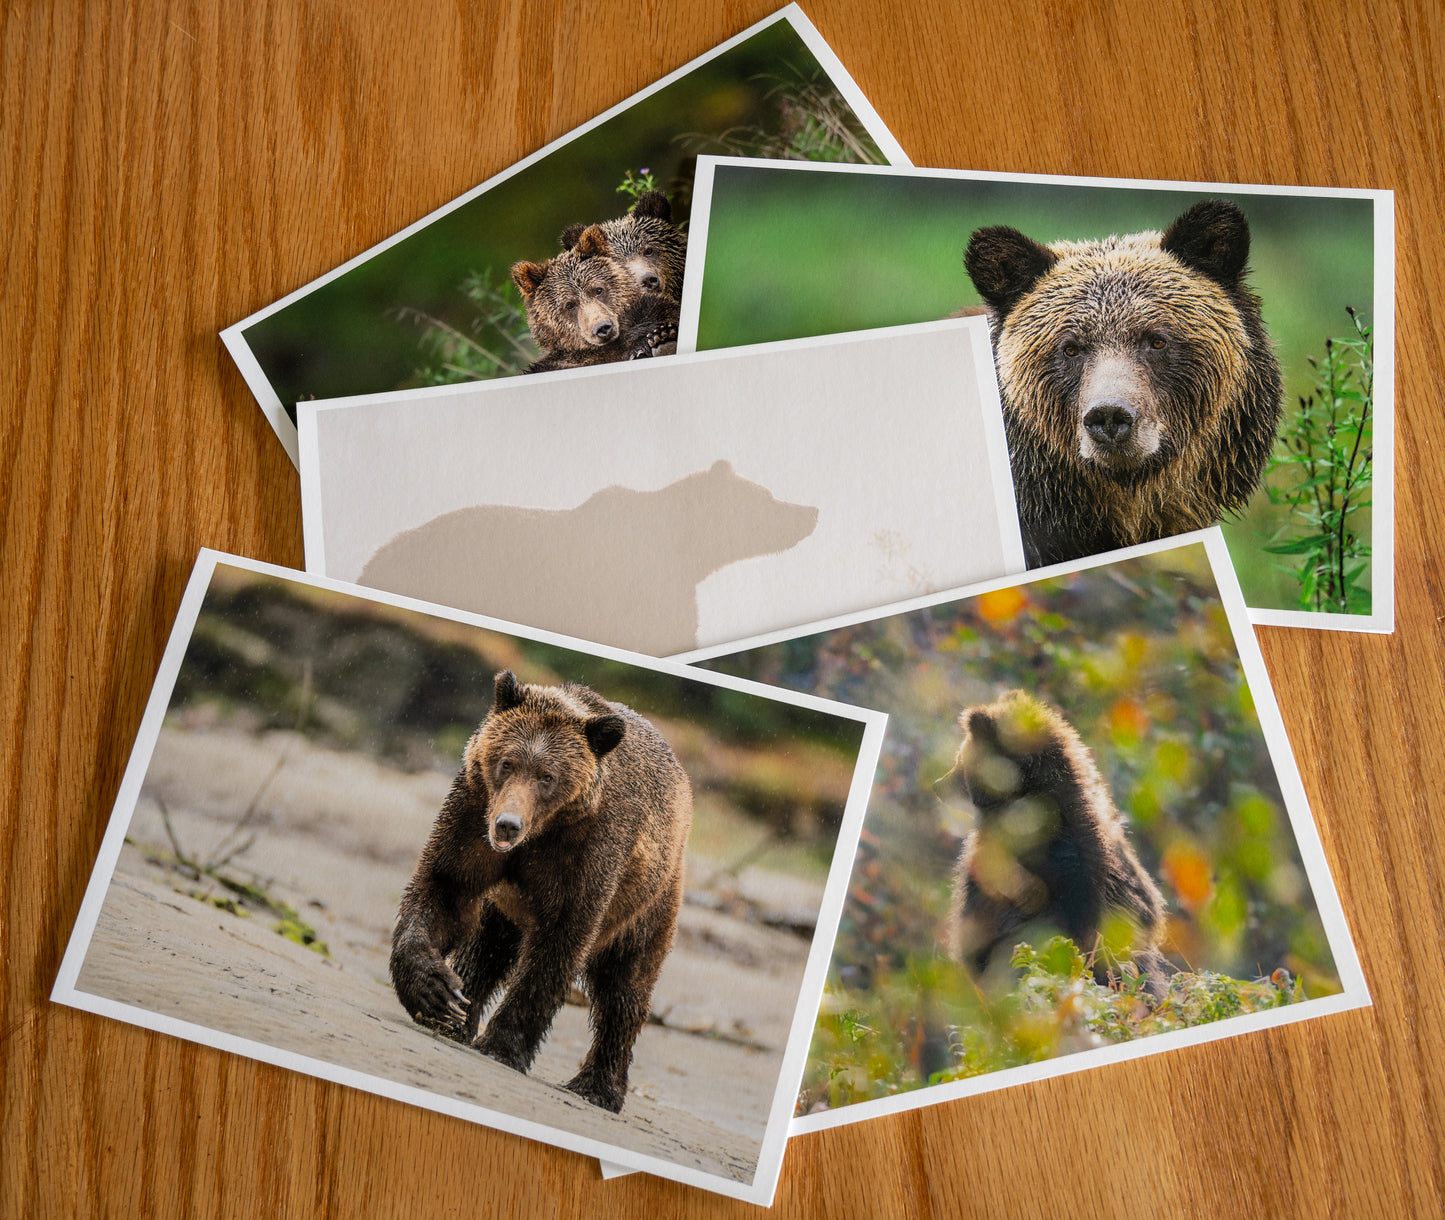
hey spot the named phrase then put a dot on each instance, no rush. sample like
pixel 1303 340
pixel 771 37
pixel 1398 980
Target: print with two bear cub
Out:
pixel 1140 391
pixel 613 292
pixel 1049 848
pixel 557 855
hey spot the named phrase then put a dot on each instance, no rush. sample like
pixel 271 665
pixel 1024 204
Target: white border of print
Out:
pixel 1381 618
pixel 1355 994
pixel 990 410
pixel 234 338
pixel 770 1155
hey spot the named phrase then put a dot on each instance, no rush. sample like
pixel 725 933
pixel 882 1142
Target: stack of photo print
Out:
pixel 785 610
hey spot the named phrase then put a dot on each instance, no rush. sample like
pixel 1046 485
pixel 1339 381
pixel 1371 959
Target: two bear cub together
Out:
pixel 612 294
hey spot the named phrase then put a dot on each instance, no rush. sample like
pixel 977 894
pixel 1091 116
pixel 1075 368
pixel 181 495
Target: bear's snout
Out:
pixel 507 831
pixel 1111 422
pixel 605 331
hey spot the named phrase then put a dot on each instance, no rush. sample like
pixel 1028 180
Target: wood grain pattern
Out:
pixel 169 167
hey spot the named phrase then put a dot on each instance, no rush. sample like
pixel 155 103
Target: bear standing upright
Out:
pixel 1140 392
pixel 558 854
pixel 1049 846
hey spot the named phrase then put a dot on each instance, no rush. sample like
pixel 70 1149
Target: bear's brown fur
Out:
pixel 584 308
pixel 557 855
pixel 650 248
pixel 1049 847
pixel 1140 392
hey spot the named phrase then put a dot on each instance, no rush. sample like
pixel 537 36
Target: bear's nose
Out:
pixel 651 283
pixel 604 331
pixel 507 829
pixel 1110 422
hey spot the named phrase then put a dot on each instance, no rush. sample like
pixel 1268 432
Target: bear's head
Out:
pixel 538 752
pixel 1121 354
pixel 1003 743
pixel 645 243
pixel 575 302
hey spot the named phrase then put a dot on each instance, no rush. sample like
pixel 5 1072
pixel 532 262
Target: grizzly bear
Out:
pixel 557 855
pixel 651 249
pixel 1140 392
pixel 585 309
pixel 1049 846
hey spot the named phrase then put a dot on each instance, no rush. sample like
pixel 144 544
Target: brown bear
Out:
pixel 1140 391
pixel 651 249
pixel 557 855
pixel 585 309
pixel 1049 846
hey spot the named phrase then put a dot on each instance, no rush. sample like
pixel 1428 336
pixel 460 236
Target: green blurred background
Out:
pixel 797 253
pixel 359 334
pixel 1140 658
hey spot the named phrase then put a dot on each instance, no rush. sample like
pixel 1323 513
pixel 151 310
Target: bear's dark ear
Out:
pixel 592 241
pixel 528 277
pixel 509 691
pixel 604 732
pixel 570 234
pixel 1004 264
pixel 654 204
pixel 979 724
pixel 1212 238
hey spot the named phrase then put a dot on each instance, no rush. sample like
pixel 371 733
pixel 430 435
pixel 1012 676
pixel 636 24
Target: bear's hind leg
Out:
pixel 620 979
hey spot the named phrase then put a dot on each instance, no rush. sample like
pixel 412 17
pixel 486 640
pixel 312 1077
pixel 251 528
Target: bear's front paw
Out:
pixel 434 998
pixel 599 1090
pixel 505 1047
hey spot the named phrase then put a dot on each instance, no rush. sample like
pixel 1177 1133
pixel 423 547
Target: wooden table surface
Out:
pixel 169 168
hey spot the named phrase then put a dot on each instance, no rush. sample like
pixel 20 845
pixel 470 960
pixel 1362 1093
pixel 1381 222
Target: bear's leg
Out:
pixel 482 961
pixel 620 979
pixel 549 958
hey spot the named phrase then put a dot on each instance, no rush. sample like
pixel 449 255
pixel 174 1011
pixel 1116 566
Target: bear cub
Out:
pixel 1140 391
pixel 613 292
pixel 557 855
pixel 1049 847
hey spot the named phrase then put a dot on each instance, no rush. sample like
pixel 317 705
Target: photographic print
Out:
pixel 1170 355
pixel 664 505
pixel 566 892
pixel 1087 839
pixel 597 220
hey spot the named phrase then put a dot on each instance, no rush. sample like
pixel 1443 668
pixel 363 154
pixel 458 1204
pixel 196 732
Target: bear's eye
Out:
pixel 571 306
pixel 597 291
pixel 504 767
pixel 648 251
pixel 1071 349
pixel 1155 342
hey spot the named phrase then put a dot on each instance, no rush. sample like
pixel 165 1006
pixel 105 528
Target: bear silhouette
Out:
pixel 622 568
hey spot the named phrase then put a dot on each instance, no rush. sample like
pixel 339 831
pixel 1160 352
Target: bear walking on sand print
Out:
pixel 622 568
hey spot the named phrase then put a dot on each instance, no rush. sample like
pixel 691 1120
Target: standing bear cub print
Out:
pixel 1049 847
pixel 557 855
pixel 1140 391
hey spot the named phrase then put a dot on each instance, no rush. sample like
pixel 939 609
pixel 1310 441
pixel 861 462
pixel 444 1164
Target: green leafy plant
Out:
pixel 635 187
pixel 1322 473
pixel 496 343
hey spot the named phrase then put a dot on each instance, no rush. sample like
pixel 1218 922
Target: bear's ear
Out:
pixel 654 204
pixel 528 277
pixel 1212 238
pixel 979 724
pixel 508 692
pixel 570 234
pixel 1004 264
pixel 604 732
pixel 592 241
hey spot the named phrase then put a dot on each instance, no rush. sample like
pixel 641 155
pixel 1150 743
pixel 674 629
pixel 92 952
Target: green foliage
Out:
pixel 496 340
pixel 1322 474
pixel 1055 1008
pixel 1139 656
pixel 817 124
pixel 635 188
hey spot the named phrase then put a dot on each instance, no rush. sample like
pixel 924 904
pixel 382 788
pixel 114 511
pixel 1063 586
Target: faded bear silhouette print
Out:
pixel 622 568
